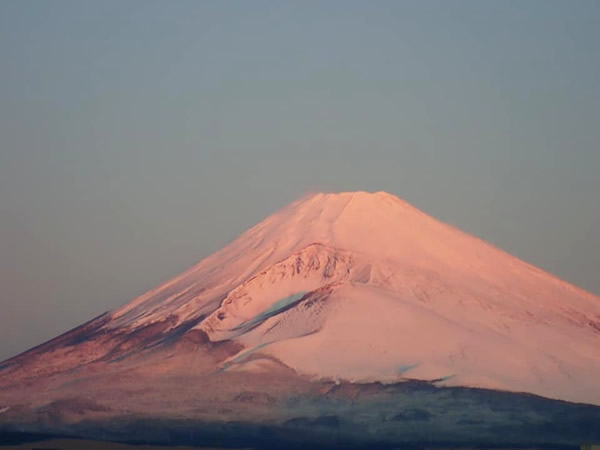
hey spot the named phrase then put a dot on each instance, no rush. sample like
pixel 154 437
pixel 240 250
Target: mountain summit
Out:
pixel 351 288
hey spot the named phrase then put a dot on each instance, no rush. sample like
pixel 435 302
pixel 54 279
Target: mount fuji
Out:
pixel 350 317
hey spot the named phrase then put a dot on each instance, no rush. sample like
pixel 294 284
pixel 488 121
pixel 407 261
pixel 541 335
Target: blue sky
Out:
pixel 137 137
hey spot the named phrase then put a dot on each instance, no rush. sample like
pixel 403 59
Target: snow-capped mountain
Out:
pixel 352 287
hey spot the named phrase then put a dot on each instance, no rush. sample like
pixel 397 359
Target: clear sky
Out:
pixel 136 137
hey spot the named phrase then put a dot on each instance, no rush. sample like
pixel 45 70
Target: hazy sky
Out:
pixel 136 137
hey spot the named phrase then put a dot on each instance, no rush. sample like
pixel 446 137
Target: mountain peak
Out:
pixel 364 198
pixel 364 195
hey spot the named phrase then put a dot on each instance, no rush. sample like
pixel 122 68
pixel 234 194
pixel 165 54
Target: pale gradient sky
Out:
pixel 137 137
